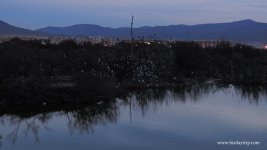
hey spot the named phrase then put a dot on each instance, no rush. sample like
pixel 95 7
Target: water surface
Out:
pixel 188 118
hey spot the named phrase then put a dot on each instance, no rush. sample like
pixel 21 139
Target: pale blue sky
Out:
pixel 34 14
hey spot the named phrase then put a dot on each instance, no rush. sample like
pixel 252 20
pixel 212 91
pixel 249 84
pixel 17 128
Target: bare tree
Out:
pixel 132 36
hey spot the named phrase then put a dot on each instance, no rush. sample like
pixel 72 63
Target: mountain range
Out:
pixel 7 29
pixel 239 31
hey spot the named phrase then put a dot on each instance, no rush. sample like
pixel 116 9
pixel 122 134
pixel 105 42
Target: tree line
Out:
pixel 34 67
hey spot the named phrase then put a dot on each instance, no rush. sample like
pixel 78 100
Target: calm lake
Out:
pixel 190 118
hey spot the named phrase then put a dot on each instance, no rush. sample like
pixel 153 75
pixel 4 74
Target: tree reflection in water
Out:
pixel 82 118
pixel 85 119
pixel 32 125
pixel 151 99
pixel 1 140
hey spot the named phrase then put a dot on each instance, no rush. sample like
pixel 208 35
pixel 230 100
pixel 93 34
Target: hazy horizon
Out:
pixel 124 26
pixel 32 14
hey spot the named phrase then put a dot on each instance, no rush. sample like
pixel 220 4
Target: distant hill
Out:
pixel 7 29
pixel 241 31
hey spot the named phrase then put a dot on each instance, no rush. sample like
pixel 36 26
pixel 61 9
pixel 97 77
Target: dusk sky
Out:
pixel 35 14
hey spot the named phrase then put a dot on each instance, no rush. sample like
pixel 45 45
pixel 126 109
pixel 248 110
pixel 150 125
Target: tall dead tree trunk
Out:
pixel 132 36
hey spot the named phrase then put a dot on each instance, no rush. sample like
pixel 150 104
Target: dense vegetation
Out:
pixel 71 72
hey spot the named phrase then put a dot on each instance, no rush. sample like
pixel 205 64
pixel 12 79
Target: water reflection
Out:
pixel 252 93
pixel 1 140
pixel 32 125
pixel 85 119
pixel 28 121
pixel 151 99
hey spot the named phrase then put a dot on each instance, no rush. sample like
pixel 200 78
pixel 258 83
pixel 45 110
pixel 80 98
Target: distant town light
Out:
pixel 265 46
pixel 147 43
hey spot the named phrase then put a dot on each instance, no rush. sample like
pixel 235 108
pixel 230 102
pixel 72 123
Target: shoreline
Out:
pixel 93 95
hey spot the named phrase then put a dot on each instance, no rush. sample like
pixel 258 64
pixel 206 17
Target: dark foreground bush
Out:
pixel 67 72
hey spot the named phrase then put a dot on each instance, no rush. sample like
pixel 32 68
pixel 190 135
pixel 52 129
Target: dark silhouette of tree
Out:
pixel 31 70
